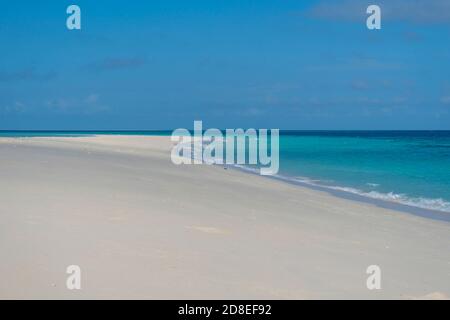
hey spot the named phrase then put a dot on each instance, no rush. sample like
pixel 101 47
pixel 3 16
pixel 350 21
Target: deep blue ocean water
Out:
pixel 406 167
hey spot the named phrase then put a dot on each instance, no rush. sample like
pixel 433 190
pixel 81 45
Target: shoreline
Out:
pixel 336 191
pixel 140 227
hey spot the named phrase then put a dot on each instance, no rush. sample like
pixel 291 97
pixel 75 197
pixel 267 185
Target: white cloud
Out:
pixel 92 98
pixel 15 107
pixel 87 105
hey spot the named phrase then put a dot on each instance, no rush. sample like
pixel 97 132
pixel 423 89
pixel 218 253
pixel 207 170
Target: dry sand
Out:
pixel 142 227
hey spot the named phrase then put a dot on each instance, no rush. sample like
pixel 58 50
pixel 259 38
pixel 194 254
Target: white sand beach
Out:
pixel 141 227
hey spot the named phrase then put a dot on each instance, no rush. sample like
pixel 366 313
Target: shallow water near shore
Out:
pixel 405 167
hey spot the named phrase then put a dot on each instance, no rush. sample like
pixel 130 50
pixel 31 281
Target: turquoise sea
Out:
pixel 407 167
pixel 403 167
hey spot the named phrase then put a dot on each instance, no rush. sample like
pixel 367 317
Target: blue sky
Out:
pixel 262 64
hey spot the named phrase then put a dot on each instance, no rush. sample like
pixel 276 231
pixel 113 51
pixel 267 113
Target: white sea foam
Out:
pixel 437 204
pixel 419 202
